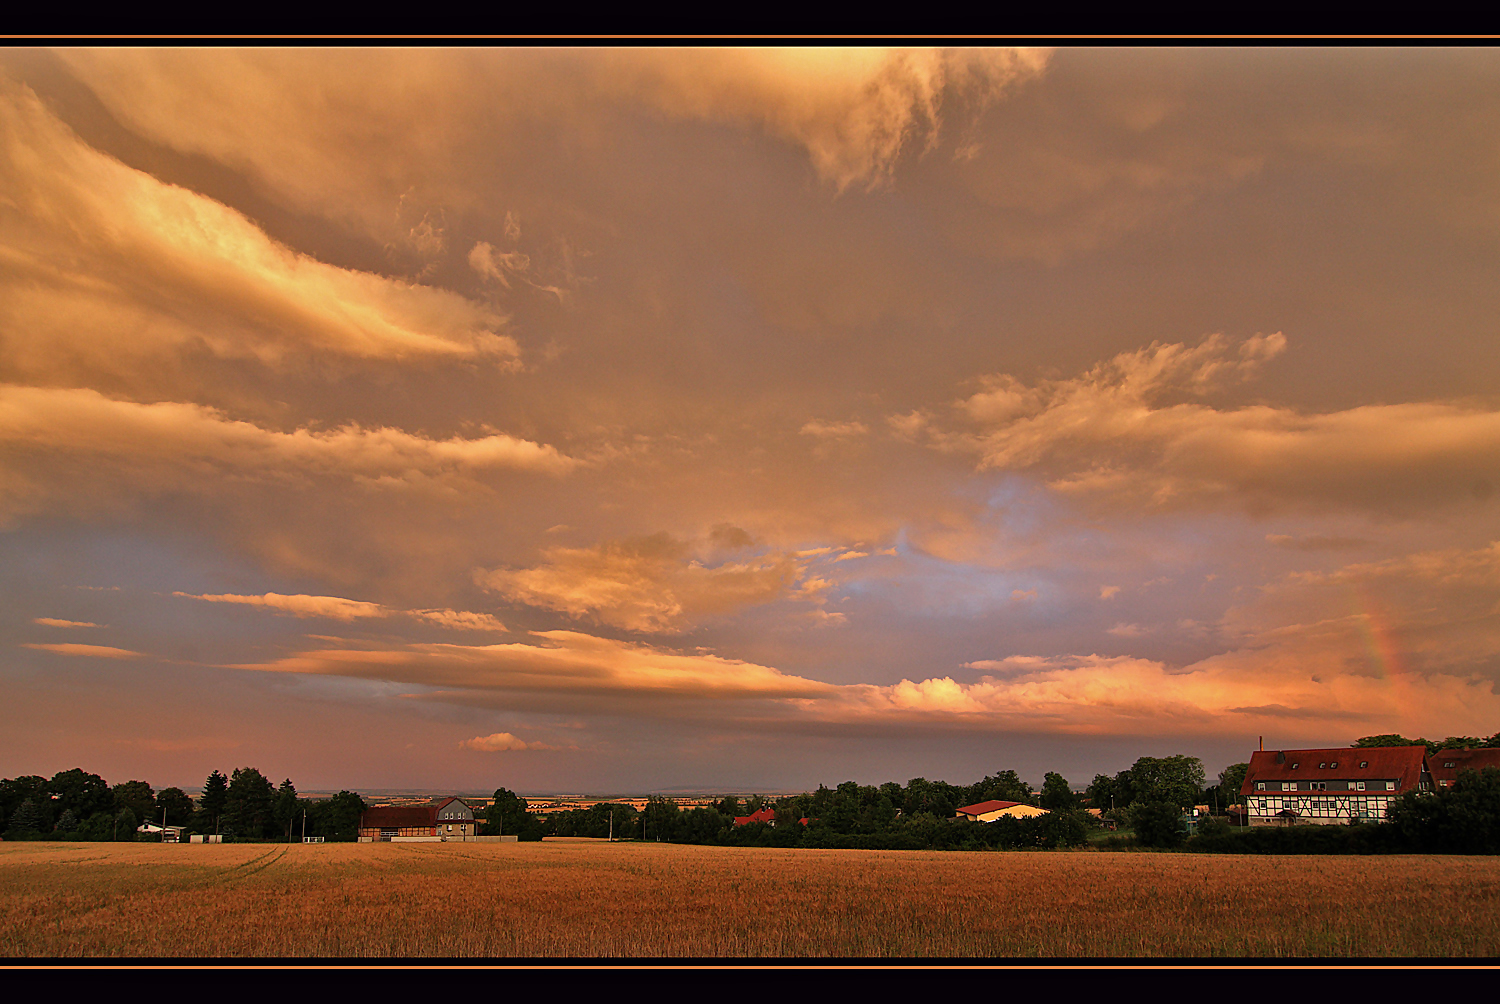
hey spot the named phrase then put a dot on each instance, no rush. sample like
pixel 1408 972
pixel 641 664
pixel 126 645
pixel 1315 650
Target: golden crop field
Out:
pixel 592 899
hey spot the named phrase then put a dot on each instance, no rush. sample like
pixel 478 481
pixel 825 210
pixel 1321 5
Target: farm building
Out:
pixel 988 812
pixel 450 819
pixel 1444 765
pixel 1330 786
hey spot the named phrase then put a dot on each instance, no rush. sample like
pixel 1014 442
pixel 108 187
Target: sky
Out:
pixel 592 419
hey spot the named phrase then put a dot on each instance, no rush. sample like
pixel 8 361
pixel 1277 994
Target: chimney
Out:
pixel 1280 757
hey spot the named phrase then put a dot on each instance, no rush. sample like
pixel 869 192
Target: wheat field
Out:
pixel 590 899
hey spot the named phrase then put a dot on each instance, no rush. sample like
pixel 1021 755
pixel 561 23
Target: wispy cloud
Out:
pixel 340 609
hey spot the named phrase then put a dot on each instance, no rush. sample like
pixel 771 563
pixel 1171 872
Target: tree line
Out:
pixel 1148 799
pixel 76 805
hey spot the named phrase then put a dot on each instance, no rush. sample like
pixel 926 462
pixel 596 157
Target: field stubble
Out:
pixel 591 900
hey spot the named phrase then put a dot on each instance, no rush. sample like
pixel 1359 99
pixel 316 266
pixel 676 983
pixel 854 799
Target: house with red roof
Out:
pixel 766 815
pixel 450 819
pixel 988 812
pixel 1444 765
pixel 1330 786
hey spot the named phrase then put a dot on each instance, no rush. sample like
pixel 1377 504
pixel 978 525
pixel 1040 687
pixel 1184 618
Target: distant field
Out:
pixel 591 899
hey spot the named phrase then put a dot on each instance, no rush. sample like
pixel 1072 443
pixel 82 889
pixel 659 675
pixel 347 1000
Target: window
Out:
pixel 1364 763
pixel 1322 765
pixel 1359 786
pixel 1260 786
pixel 1334 764
pixel 1295 766
pixel 1450 763
pixel 1390 786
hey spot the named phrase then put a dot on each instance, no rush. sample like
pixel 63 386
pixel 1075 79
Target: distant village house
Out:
pixel 450 819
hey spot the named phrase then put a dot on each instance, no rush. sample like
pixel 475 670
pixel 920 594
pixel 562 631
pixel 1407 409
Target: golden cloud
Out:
pixel 150 442
pixel 500 742
pixel 563 662
pixel 108 265
pixel 646 584
pixel 89 651
pixel 1115 434
pixel 340 609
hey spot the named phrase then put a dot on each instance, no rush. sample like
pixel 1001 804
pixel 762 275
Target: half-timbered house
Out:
pixel 1444 765
pixel 1330 786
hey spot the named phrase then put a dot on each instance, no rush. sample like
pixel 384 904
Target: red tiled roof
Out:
pixel 766 815
pixel 398 817
pixel 1478 759
pixel 1402 764
pixel 980 808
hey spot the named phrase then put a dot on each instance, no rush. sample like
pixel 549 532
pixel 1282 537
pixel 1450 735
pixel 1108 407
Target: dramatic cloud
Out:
pixel 107 265
pixel 862 397
pixel 174 441
pixel 565 662
pixel 648 584
pixel 854 110
pixel 1117 433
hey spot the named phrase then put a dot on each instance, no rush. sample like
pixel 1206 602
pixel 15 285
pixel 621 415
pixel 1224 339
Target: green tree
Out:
pixel 1057 794
pixel 85 794
pixel 15 790
pixel 178 806
pixel 335 818
pixel 659 818
pixel 249 805
pixel 25 823
pixel 211 804
pixel 1158 824
pixel 1006 786
pixel 1458 743
pixel 67 823
pixel 125 824
pixel 508 816
pixel 1463 819
pixel 286 808
pixel 137 796
pixel 1231 780
pixel 1106 793
pixel 1175 779
pixel 1391 739
pixel 1062 828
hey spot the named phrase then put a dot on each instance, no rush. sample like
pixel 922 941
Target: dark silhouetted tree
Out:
pixel 1057 794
